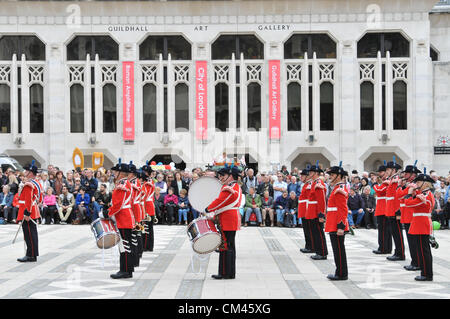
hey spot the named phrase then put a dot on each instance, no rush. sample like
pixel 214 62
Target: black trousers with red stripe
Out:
pixel 318 237
pixel 306 224
pixel 384 235
pixel 227 258
pixel 424 252
pixel 412 247
pixel 340 257
pixel 397 235
pixel 126 257
pixel 148 239
pixel 30 236
pixel 135 247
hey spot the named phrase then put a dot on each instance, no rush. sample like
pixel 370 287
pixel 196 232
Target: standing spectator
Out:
pixel 290 219
pixel 294 186
pixel 437 183
pixel 183 206
pixel 249 181
pixel 108 185
pixel 438 213
pixel 178 184
pixel 89 183
pixel 49 207
pixel 159 204
pixel 100 201
pixel 356 207
pixel 59 183
pixel 66 202
pixel 70 181
pixel 267 207
pixel 295 172
pixel 364 183
pixel 6 203
pixel 369 208
pixel 253 205
pixel 161 184
pixel 279 186
pixel 265 186
pixel 280 207
pixel 171 203
pixel 284 170
pixel 13 183
pixel 44 181
pixel 356 183
pixel 81 206
pixel 3 178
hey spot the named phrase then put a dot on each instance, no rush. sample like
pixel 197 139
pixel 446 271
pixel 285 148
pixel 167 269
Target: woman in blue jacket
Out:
pixel 82 206
pixel 280 207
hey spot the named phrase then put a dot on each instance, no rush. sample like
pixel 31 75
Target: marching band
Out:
pixel 404 201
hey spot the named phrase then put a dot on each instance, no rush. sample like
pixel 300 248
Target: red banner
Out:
pixel 201 98
pixel 128 100
pixel 274 99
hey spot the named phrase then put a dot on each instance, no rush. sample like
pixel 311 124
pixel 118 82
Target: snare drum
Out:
pixel 204 235
pixel 105 233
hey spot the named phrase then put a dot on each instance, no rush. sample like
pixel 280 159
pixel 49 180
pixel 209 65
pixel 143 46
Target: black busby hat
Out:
pixel 147 168
pixel 412 169
pixel 121 167
pixel 424 177
pixel 316 168
pixel 382 168
pixel 336 169
pixel 393 164
pixel 31 167
pixel 132 168
pixel 305 171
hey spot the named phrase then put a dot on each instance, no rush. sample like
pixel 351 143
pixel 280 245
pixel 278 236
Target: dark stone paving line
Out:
pixel 28 266
pixel 141 289
pixel 198 264
pixel 190 289
pixel 301 289
pixel 20 235
pixel 77 260
pixel 28 289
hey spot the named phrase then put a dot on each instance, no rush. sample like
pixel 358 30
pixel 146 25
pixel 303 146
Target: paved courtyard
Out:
pixel 269 265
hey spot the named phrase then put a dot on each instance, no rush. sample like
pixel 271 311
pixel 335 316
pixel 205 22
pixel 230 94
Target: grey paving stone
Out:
pixel 78 260
pixel 141 289
pixel 28 266
pixel 302 289
pixel 286 265
pixel 273 244
pixel 160 263
pixel 190 289
pixel 28 289
pixel 351 290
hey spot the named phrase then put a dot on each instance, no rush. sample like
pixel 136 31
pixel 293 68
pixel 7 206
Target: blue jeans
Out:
pixel 249 211
pixel 358 219
pixel 182 211
pixel 280 215
pixel 97 209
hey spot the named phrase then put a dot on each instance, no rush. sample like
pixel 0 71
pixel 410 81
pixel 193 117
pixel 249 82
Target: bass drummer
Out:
pixel 226 209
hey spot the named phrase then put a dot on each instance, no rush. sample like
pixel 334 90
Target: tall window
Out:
pixel 104 46
pixel 31 46
pixel 400 105
pixel 77 108
pixel 321 44
pixel 182 106
pixel 149 105
pixel 367 113
pixel 394 42
pixel 36 108
pixel 178 47
pixel 5 108
pixel 254 106
pixel 226 45
pixel 326 107
pixel 222 106
pixel 294 107
pixel 109 108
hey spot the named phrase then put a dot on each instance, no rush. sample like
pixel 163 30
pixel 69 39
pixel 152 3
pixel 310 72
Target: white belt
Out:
pixel 390 198
pixel 421 214
pixel 21 202
pixel 402 205
pixel 149 200
pixel 302 201
pixel 332 209
pixel 379 198
pixel 313 202
pixel 126 206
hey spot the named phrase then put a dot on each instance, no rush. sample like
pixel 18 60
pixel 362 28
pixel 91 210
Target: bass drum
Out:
pixel 203 191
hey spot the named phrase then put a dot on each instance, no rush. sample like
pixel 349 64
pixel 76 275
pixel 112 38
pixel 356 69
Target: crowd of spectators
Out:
pixel 270 198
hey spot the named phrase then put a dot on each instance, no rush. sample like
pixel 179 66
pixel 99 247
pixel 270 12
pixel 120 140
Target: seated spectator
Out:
pixel 66 202
pixel 356 207
pixel 49 208
pixel 253 205
pixel 81 206
pixel 183 206
pixel 439 213
pixel 13 183
pixel 6 204
pixel 100 200
pixel 290 217
pixel 267 207
pixel 279 186
pixel 265 186
pixel 369 208
pixel 159 204
pixel 280 207
pixel 161 184
pixel 171 203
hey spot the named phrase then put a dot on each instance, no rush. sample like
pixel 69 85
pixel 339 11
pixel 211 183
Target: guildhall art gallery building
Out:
pixel 281 82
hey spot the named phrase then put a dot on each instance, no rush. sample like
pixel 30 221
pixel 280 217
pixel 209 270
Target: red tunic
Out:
pixel 392 201
pixel 149 204
pixel 303 200
pixel 29 199
pixel 136 199
pixel 227 206
pixel 121 205
pixel 316 199
pixel 337 210
pixel 421 221
pixel 406 211
pixel 380 190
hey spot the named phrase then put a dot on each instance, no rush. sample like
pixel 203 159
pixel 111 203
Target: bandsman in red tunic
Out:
pixel 421 200
pixel 408 175
pixel 226 206
pixel 393 213
pixel 315 212
pixel 384 231
pixel 121 211
pixel 149 207
pixel 337 222
pixel 302 206
pixel 136 234
pixel 29 199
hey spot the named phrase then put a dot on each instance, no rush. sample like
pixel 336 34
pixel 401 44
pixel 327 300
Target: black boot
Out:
pixel 334 277
pixel 122 275
pixel 423 278
pixel 27 259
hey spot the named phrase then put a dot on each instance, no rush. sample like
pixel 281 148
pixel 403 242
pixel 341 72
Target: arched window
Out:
pixel 400 105
pixel 394 42
pixel 36 108
pixel 149 108
pixel 294 107
pixel 5 108
pixel 103 45
pixel 222 107
pixel 226 45
pixel 254 106
pixel 77 108
pixel 321 44
pixel 30 45
pixel 326 107
pixel 109 108
pixel 182 106
pixel 367 114
pixel 178 47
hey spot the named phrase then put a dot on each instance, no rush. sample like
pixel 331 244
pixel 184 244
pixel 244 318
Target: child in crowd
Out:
pixel 183 206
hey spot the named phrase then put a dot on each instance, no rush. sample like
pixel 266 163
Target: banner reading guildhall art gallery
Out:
pixel 201 99
pixel 274 99
pixel 128 100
